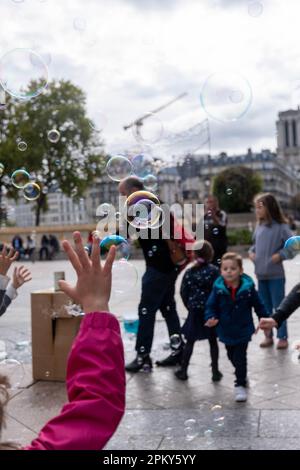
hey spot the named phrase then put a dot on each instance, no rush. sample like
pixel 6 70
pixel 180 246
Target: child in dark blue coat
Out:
pixel 195 288
pixel 230 307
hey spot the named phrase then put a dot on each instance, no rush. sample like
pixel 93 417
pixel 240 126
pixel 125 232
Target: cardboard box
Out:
pixel 53 332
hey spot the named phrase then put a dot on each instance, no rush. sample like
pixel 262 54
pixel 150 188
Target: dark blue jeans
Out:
pixel 158 290
pixel 271 292
pixel 237 355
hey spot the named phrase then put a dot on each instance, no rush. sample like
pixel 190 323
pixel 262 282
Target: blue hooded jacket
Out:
pixel 235 316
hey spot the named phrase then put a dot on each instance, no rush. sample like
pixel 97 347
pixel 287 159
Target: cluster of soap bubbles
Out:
pixel 21 179
pixel 192 428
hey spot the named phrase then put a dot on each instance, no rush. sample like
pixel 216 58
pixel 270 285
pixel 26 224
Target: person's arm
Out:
pixel 258 305
pixel 20 276
pixel 284 253
pixel 211 313
pixel 251 251
pixel 95 371
pixel 184 289
pixel 289 304
pixel 4 299
pixel 95 387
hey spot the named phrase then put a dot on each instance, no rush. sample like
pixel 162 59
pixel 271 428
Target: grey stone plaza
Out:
pixel 158 405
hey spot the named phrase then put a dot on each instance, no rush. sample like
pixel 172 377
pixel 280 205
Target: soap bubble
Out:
pixel 218 415
pixel 118 168
pixel 293 245
pixel 79 24
pixel 1 169
pixel 215 231
pixel 190 429
pixel 124 277
pixel 46 56
pixel 255 9
pixel 142 209
pixel 104 209
pixel 122 246
pixel 142 165
pixel 31 191
pixel 53 136
pixel 175 341
pixel 22 146
pixel 20 178
pixel 226 96
pixel 98 122
pixel 208 434
pixel 14 370
pixel 149 130
pixel 150 183
pixel 229 191
pixel 17 72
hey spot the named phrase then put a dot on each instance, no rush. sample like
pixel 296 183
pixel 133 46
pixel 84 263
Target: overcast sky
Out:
pixel 131 56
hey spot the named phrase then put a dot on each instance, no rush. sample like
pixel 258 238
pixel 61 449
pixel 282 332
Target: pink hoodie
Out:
pixel 95 386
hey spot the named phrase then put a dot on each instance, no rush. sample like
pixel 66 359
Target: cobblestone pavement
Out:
pixel 158 405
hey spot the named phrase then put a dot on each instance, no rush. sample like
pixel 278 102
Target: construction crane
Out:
pixel 139 122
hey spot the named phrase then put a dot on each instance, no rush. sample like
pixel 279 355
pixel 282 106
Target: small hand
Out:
pixel 252 256
pixel 267 323
pixel 6 259
pixel 276 258
pixel 20 276
pixel 93 286
pixel 212 322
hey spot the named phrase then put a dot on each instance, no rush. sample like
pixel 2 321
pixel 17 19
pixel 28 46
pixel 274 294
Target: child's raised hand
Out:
pixel 212 322
pixel 252 256
pixel 20 276
pixel 267 323
pixel 93 286
pixel 6 259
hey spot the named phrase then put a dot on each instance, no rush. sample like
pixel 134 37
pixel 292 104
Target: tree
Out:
pixel 70 164
pixel 236 187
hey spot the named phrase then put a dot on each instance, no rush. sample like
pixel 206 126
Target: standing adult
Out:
pixel 158 291
pixel 44 248
pixel 17 244
pixel 215 224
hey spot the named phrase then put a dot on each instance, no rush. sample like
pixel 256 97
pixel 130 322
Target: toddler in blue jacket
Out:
pixel 229 306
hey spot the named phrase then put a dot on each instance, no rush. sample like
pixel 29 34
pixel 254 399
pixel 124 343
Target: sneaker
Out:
pixel 216 376
pixel 240 394
pixel 282 344
pixel 266 343
pixel 140 363
pixel 181 374
pixel 173 359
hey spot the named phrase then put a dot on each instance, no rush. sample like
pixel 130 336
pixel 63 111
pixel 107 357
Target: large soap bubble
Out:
pixel 18 71
pixel 226 96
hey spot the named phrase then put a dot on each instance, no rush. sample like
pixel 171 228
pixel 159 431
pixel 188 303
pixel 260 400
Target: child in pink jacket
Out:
pixel 95 371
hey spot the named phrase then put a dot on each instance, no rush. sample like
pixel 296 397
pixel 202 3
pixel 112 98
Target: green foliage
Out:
pixel 236 187
pixel 69 165
pixel 241 236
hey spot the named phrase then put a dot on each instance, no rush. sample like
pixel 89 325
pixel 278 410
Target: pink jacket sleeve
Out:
pixel 95 386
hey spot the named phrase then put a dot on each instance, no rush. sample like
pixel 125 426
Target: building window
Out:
pixel 286 128
pixel 294 128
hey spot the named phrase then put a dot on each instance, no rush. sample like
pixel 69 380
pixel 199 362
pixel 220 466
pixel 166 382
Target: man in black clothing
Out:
pixel 215 223
pixel 158 290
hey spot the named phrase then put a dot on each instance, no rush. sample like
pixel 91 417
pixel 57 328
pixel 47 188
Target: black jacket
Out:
pixel 289 304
